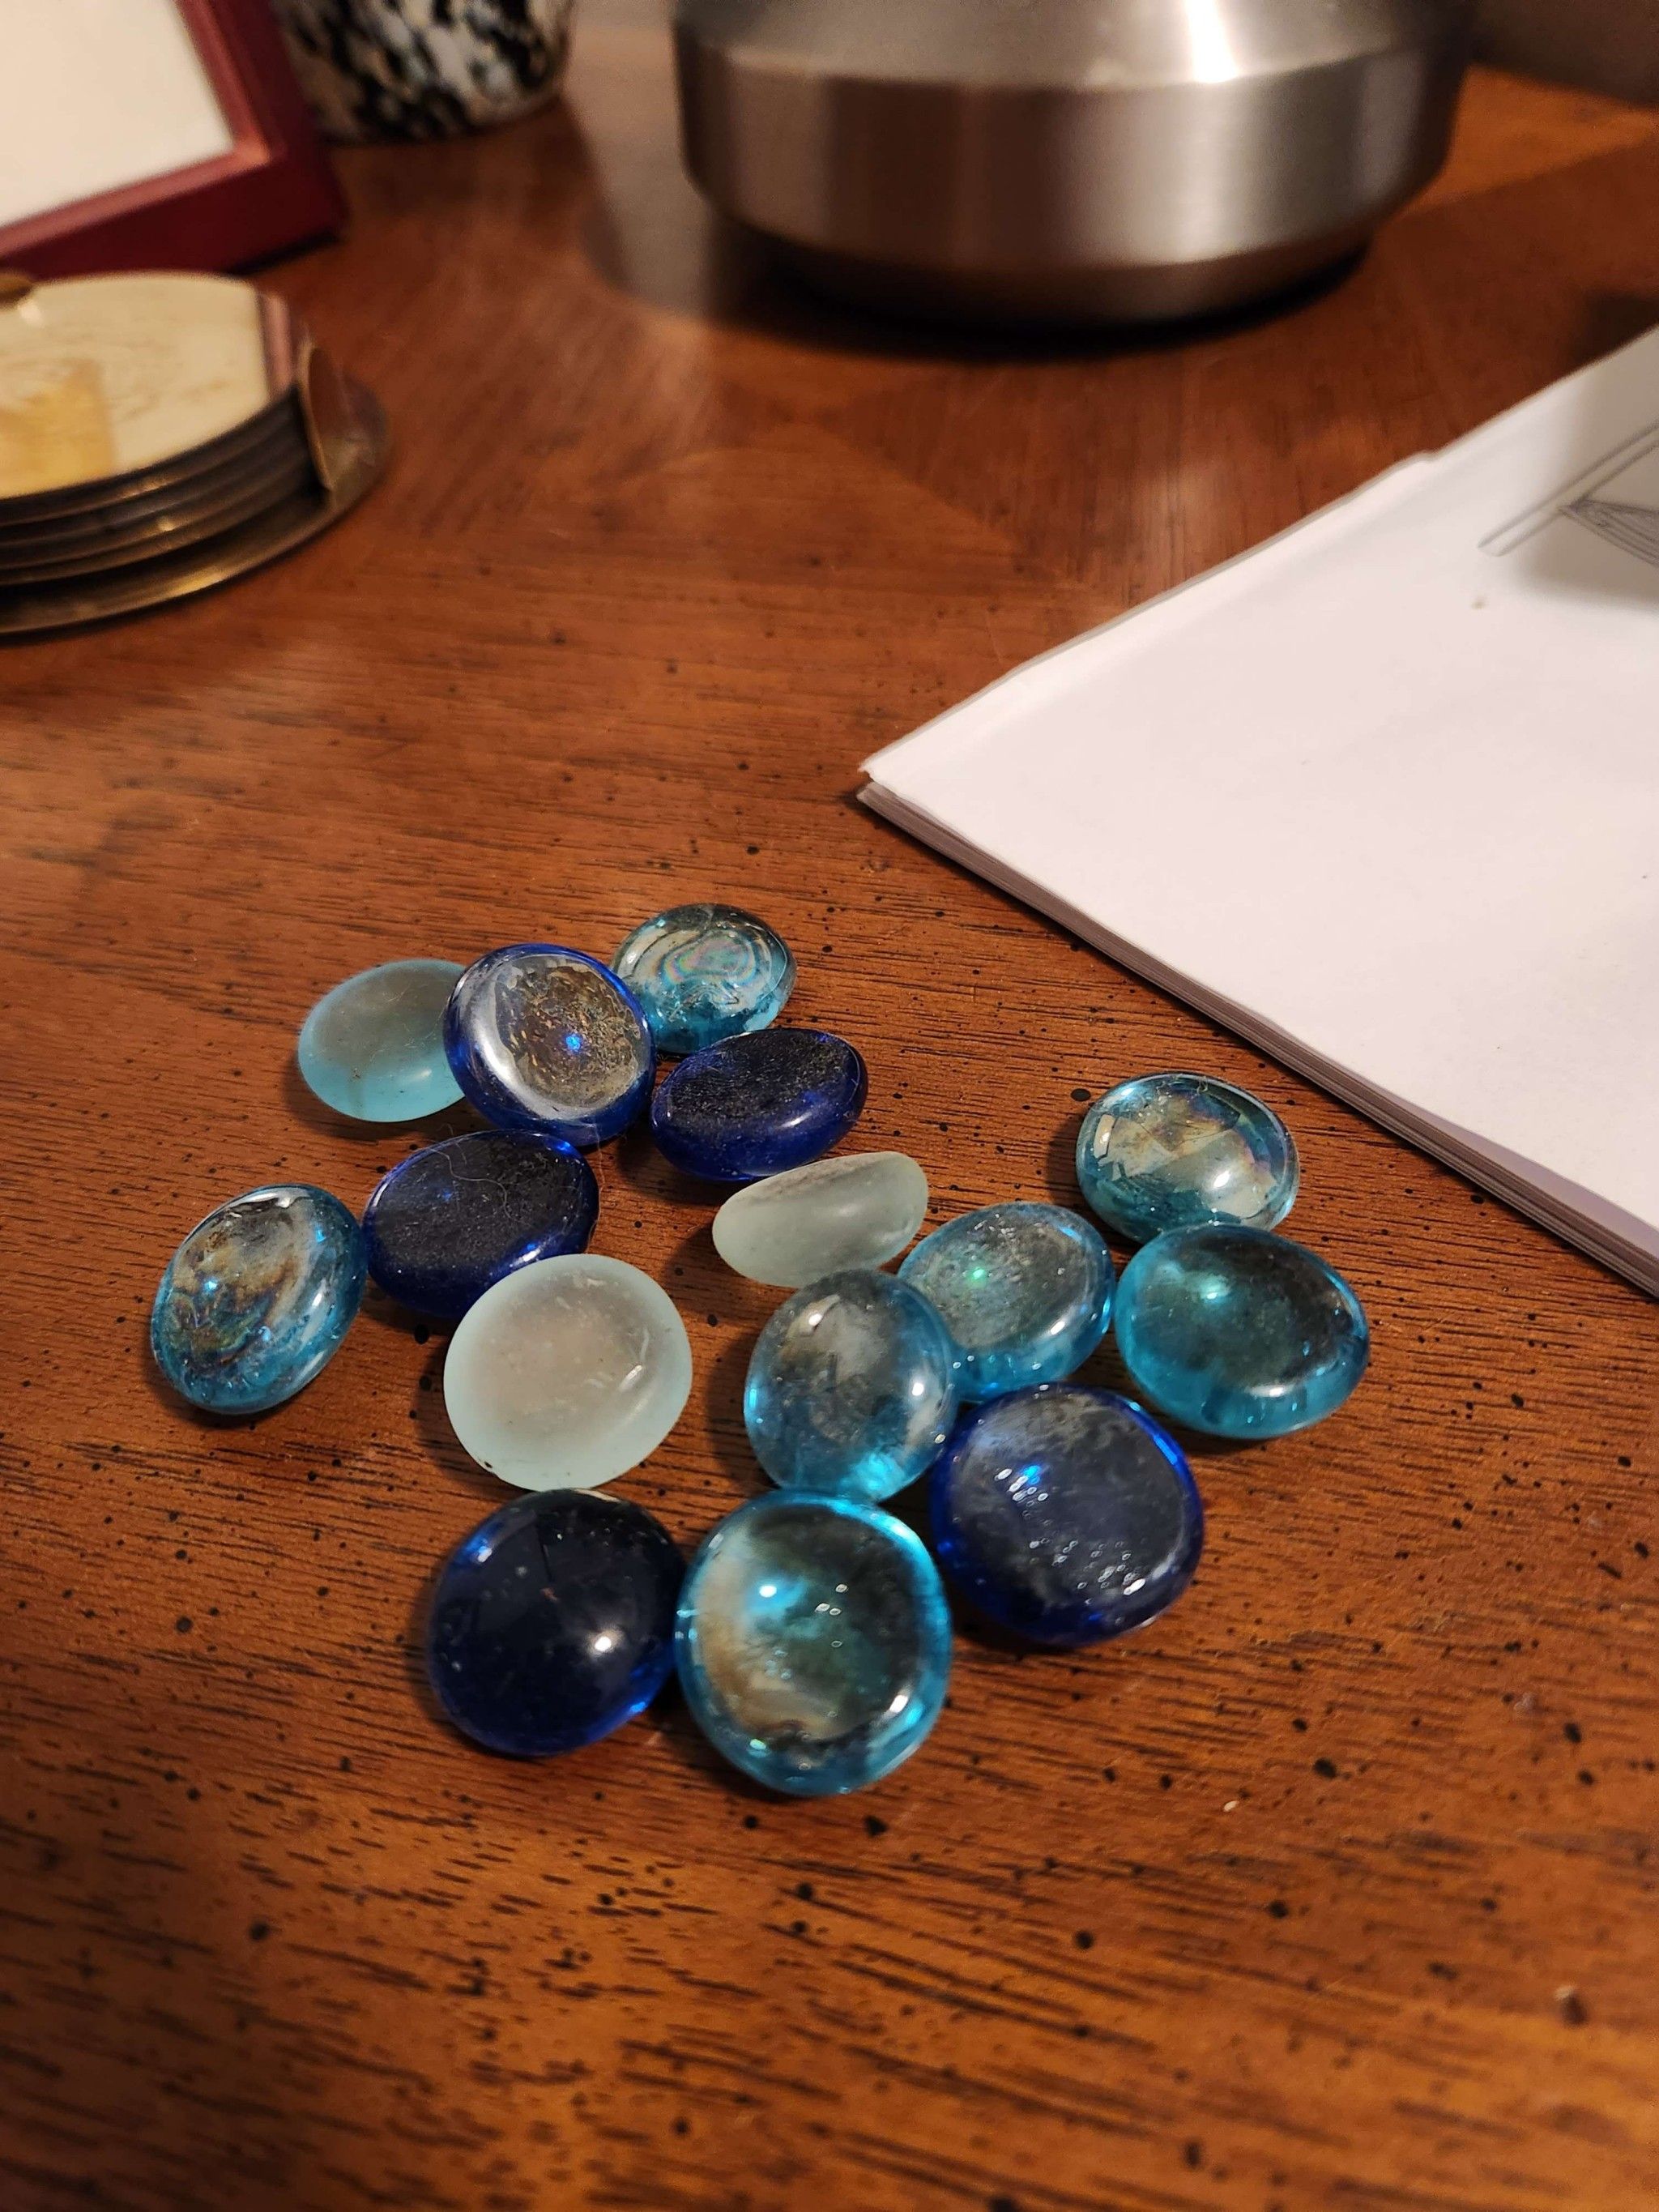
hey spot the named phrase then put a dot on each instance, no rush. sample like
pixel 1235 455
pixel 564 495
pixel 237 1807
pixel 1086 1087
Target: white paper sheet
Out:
pixel 1384 797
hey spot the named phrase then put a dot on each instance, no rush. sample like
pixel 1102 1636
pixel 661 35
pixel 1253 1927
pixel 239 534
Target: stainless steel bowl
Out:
pixel 1095 160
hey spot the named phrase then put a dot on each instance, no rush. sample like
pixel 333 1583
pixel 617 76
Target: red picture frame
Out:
pixel 274 189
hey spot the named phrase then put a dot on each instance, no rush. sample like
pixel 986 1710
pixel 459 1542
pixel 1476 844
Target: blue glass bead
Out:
pixel 758 1104
pixel 851 1388
pixel 257 1298
pixel 372 1048
pixel 704 973
pixel 1174 1152
pixel 541 1037
pixel 1239 1334
pixel 813 1643
pixel 553 1622
pixel 1067 1515
pixel 1025 1290
pixel 449 1221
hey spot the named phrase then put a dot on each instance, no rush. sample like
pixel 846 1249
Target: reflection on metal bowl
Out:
pixel 1070 160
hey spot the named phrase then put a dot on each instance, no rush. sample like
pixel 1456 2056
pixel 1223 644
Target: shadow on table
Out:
pixel 700 264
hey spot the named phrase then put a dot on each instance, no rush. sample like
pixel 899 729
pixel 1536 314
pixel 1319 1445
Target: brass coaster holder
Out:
pixel 256 492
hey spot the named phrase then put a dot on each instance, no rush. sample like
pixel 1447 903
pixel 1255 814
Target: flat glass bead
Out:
pixel 451 1219
pixel 553 1622
pixel 1025 1291
pixel 1068 1514
pixel 372 1047
pixel 1239 1334
pixel 795 1228
pixel 813 1643
pixel 758 1104
pixel 704 973
pixel 1175 1151
pixel 851 1388
pixel 256 1300
pixel 541 1037
pixel 567 1373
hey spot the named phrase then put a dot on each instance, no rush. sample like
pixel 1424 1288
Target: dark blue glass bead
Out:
pixel 257 1298
pixel 554 1622
pixel 814 1643
pixel 540 1038
pixel 449 1221
pixel 1067 1515
pixel 757 1104
pixel 1239 1334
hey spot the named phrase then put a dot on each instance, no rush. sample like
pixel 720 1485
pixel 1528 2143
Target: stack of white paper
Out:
pixel 1384 796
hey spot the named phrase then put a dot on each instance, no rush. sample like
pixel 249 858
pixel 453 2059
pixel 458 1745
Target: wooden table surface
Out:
pixel 1333 1888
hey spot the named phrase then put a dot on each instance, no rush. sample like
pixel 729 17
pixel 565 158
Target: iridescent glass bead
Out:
pixel 1175 1151
pixel 1239 1334
pixel 703 973
pixel 1024 1289
pixel 257 1299
pixel 814 1643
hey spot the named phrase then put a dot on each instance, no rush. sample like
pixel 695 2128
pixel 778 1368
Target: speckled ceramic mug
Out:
pixel 424 68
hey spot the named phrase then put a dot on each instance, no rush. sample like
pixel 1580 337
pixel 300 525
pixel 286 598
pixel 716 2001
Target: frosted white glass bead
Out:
pixel 567 1373
pixel 854 1212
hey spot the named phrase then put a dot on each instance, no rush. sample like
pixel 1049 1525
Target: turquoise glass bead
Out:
pixel 372 1048
pixel 813 1643
pixel 1239 1334
pixel 851 1388
pixel 1025 1291
pixel 541 1037
pixel 257 1299
pixel 1067 1515
pixel 703 973
pixel 1174 1152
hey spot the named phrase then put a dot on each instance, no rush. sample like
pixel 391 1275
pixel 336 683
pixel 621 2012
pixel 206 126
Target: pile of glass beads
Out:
pixel 812 1631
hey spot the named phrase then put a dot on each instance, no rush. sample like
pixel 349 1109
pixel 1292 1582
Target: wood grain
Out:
pixel 1334 1888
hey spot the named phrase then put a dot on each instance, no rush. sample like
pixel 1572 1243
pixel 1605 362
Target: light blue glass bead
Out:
pixel 1173 1151
pixel 795 1228
pixel 704 973
pixel 372 1048
pixel 1239 1334
pixel 256 1300
pixel 851 1390
pixel 813 1643
pixel 541 1037
pixel 567 1373
pixel 1025 1291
